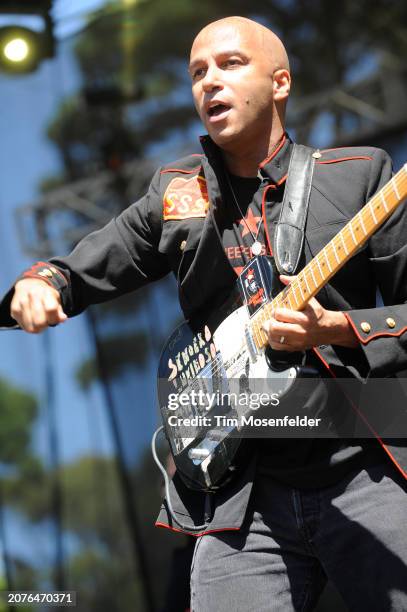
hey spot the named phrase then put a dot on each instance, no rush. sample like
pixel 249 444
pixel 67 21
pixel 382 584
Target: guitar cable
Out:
pixel 167 500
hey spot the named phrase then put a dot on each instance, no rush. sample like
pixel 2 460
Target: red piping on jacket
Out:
pixel 362 416
pixel 274 153
pixel 377 335
pixel 196 535
pixel 340 159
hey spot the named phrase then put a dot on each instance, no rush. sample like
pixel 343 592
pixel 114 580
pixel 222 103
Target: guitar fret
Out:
pixel 335 253
pixel 344 245
pixel 313 277
pixel 287 300
pixel 353 235
pixel 384 201
pixel 295 297
pixel 319 267
pixel 327 259
pixel 261 330
pixel 361 222
pixel 393 182
pixel 372 211
pixel 305 278
pixel 299 286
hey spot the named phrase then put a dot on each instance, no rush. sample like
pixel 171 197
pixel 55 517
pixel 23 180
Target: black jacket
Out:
pixel 175 227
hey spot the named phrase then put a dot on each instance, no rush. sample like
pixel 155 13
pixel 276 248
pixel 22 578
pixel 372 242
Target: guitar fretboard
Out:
pixel 335 254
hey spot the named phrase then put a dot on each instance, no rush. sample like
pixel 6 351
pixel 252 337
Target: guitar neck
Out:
pixel 335 254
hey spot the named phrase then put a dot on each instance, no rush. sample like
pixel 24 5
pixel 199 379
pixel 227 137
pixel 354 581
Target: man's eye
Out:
pixel 197 73
pixel 232 62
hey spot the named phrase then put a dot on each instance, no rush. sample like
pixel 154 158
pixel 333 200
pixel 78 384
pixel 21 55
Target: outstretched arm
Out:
pixel 119 258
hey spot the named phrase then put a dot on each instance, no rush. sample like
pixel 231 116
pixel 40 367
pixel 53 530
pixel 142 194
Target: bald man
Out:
pixel 299 511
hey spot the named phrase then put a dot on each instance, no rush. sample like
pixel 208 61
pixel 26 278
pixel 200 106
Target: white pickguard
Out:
pixel 229 337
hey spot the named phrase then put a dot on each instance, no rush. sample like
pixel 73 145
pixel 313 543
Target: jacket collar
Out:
pixel 274 167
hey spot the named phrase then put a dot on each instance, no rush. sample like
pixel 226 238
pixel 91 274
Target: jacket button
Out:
pixel 183 245
pixel 366 327
pixel 391 322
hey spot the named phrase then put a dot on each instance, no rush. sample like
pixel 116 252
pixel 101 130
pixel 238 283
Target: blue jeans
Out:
pixel 354 533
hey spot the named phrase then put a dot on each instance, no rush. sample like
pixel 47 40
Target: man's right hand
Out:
pixel 36 305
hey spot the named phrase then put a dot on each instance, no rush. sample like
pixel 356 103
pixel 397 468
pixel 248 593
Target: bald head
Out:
pixel 255 34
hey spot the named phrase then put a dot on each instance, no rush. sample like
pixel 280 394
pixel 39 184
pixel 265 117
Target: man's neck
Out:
pixel 246 163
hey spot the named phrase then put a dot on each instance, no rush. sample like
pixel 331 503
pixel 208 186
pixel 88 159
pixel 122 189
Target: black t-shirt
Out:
pixel 239 234
pixel 297 462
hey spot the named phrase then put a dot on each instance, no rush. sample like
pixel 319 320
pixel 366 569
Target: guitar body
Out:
pixel 221 362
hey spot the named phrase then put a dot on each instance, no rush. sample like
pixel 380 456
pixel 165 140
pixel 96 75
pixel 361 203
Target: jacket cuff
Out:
pixel 48 273
pixel 382 336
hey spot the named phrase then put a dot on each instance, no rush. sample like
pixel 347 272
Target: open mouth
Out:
pixel 217 110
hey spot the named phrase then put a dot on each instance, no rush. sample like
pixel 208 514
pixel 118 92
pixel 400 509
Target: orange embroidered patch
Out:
pixel 186 198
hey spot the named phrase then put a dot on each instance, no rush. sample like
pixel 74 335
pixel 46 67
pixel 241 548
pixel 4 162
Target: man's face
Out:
pixel 232 85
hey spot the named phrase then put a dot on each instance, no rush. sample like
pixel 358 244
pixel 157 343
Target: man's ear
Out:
pixel 281 84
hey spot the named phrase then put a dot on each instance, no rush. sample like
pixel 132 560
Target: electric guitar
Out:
pixel 208 367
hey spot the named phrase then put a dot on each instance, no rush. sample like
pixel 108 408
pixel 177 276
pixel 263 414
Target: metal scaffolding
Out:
pixel 360 112
pixel 64 215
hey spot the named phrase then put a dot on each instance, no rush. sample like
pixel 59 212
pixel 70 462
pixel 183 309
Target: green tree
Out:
pixel 101 566
pixel 23 480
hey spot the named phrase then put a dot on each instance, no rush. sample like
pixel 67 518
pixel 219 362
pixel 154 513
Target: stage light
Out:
pixel 16 50
pixel 22 49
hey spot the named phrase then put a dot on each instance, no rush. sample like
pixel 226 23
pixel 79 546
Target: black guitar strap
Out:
pixel 290 230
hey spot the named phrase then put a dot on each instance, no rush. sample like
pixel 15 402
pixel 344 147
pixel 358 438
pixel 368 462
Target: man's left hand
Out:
pixel 290 330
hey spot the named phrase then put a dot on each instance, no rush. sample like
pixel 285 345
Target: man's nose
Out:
pixel 211 79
